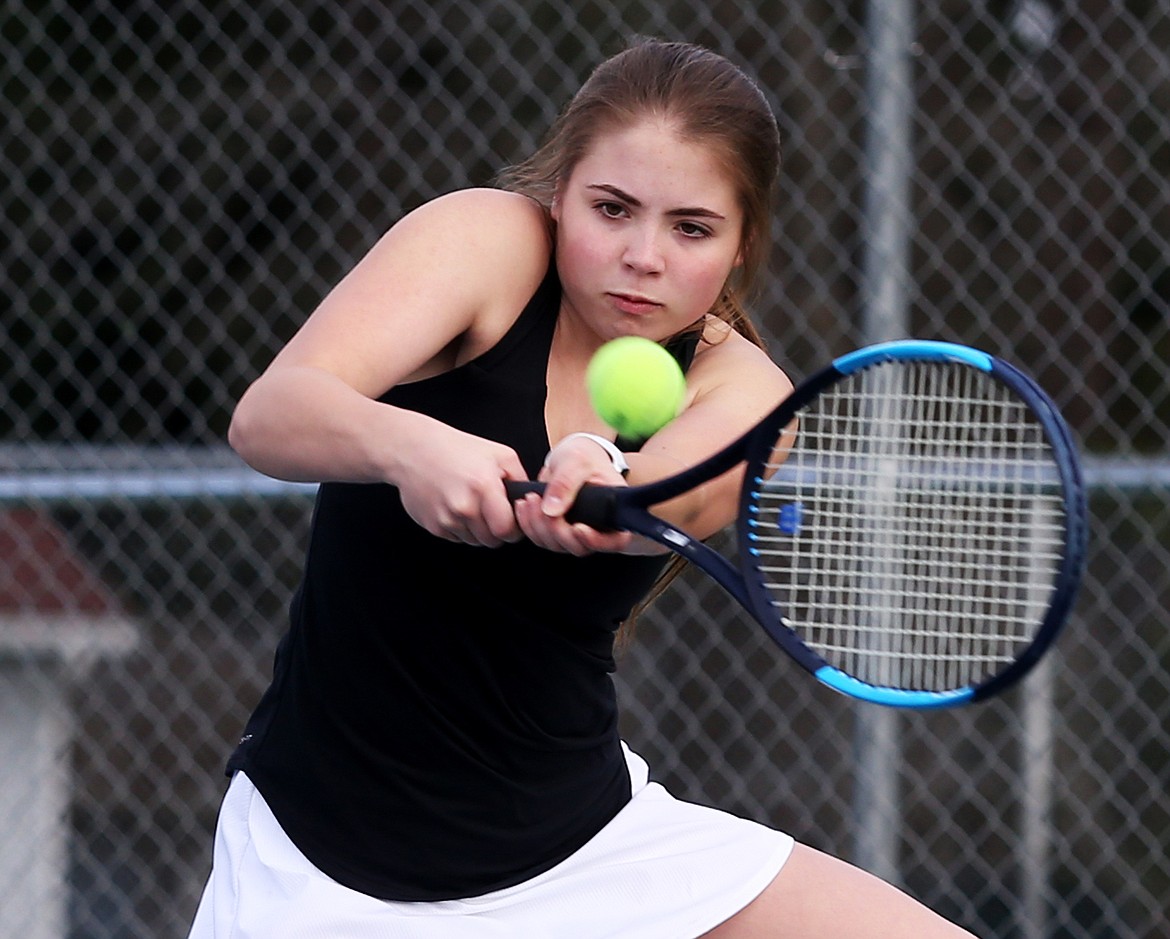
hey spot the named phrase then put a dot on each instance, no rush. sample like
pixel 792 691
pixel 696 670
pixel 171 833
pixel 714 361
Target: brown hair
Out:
pixel 706 99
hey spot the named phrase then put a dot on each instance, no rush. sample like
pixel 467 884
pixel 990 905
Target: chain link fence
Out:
pixel 184 179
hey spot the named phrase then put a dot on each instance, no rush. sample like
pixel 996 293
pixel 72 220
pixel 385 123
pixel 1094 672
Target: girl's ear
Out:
pixel 554 208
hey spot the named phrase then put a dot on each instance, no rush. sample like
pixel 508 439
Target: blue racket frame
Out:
pixel 618 508
pixel 1071 487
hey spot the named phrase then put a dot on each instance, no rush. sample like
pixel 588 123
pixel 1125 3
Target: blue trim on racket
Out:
pixel 920 349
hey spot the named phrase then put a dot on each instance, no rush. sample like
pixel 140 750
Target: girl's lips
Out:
pixel 633 303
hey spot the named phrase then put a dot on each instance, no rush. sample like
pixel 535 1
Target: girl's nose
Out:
pixel 643 252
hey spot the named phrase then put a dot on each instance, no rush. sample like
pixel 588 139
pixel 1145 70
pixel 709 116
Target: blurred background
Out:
pixel 183 180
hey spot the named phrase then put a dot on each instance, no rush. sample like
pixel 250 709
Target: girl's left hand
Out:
pixel 570 464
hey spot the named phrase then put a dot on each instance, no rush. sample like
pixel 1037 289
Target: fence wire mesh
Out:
pixel 182 182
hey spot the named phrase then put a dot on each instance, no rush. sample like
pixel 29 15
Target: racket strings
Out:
pixel 914 534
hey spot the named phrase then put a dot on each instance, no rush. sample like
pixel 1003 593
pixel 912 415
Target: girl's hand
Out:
pixel 452 485
pixel 570 464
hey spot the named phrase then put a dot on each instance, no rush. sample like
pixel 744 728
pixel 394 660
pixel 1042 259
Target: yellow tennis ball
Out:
pixel 635 386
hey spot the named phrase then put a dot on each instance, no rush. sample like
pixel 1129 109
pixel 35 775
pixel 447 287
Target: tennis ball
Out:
pixel 635 386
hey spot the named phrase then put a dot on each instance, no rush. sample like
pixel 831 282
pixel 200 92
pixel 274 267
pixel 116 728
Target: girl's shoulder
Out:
pixel 724 356
pixel 486 251
pixel 495 214
pixel 493 236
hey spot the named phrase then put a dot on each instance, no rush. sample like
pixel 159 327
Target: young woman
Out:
pixel 438 754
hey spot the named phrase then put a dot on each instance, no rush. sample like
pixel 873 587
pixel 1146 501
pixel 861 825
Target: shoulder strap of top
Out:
pixel 525 346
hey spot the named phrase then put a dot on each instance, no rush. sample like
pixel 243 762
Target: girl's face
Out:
pixel 648 230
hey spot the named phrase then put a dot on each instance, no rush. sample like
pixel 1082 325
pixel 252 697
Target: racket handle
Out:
pixel 517 489
pixel 594 506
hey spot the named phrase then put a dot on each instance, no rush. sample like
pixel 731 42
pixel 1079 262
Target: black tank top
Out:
pixel 442 720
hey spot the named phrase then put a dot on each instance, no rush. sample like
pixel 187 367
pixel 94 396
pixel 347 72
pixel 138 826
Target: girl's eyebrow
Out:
pixel 687 211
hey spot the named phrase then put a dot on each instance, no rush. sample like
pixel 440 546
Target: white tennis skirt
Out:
pixel 662 869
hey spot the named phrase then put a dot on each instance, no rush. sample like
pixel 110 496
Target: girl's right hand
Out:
pixel 451 484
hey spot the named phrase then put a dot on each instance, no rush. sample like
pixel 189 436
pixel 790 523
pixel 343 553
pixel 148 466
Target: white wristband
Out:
pixel 616 456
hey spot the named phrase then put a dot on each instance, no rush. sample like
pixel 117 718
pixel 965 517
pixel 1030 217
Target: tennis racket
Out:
pixel 920 542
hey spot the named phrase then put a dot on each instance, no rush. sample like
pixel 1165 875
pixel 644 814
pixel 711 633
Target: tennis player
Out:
pixel 438 752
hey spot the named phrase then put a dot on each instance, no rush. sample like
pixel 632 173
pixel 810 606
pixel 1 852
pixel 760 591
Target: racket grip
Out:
pixel 594 505
pixel 517 489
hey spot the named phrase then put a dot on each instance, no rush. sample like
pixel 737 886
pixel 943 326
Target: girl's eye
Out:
pixel 611 209
pixel 694 230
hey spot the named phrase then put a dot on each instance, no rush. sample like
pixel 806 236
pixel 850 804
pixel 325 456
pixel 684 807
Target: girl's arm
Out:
pixel 731 385
pixel 442 286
